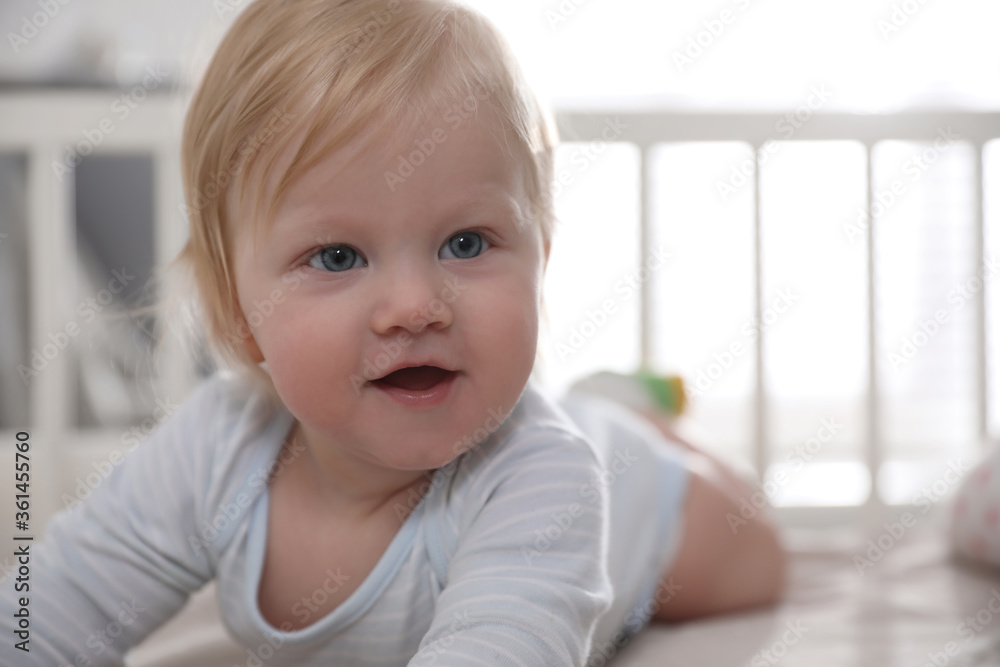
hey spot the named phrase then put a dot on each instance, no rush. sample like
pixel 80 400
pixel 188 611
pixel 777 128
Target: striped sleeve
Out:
pixel 113 568
pixel 528 579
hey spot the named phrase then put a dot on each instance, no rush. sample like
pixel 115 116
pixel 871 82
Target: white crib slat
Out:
pixel 761 453
pixel 873 447
pixel 51 264
pixel 172 366
pixel 647 192
pixel 51 237
pixel 979 250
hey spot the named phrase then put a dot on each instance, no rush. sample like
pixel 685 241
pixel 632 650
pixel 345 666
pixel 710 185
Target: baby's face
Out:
pixel 363 273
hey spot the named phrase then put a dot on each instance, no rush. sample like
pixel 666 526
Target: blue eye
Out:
pixel 464 245
pixel 336 258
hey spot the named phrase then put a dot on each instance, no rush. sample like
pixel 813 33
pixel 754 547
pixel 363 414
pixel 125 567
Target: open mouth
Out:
pixel 415 378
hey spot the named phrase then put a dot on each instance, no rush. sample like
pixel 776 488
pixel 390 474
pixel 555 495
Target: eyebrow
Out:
pixel 476 205
pixel 505 203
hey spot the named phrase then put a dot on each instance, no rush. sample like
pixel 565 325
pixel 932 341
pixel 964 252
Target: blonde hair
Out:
pixel 323 71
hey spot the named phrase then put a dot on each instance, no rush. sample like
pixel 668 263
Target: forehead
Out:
pixel 445 159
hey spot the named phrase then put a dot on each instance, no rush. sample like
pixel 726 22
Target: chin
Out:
pixel 414 463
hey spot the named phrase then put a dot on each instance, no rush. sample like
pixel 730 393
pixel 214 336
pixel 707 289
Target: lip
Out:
pixel 426 398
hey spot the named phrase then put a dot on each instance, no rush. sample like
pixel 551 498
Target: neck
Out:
pixel 348 485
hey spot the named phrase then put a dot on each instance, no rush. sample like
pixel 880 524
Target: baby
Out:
pixel 377 480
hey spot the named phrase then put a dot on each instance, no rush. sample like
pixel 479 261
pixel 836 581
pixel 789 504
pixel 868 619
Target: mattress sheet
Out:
pixel 854 600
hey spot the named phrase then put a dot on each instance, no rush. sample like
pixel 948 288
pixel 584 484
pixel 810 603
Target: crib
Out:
pixel 906 608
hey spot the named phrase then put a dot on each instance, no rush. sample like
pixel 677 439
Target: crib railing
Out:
pixel 648 129
pixel 42 125
pixel 48 128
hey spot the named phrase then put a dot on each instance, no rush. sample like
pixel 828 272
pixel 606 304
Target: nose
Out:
pixel 411 298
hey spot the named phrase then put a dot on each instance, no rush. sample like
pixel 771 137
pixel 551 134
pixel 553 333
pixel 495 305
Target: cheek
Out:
pixel 506 324
pixel 309 354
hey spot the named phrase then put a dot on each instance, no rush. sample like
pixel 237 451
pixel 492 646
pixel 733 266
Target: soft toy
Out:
pixel 641 390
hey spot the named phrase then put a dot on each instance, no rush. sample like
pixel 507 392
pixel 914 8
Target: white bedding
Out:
pixel 905 610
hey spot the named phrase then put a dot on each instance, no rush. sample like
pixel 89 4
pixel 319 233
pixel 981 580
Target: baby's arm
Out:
pixel 111 570
pixel 527 581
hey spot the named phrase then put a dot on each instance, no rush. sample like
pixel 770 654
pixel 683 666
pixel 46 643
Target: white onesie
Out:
pixel 514 556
